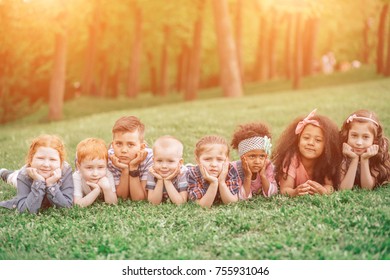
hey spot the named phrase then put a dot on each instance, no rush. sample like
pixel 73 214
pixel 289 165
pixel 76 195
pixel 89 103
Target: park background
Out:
pixel 191 68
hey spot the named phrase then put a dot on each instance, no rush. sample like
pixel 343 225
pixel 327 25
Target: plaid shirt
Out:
pixel 197 186
pixel 143 167
pixel 179 182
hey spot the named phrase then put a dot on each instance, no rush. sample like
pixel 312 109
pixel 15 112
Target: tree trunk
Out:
pixel 381 40
pixel 152 74
pixel 271 46
pixel 238 30
pixel 164 78
pixel 113 83
pixel 182 65
pixel 366 43
pixel 287 47
pixel 57 82
pixel 297 59
pixel 135 63
pixel 387 67
pixel 229 69
pixel 192 85
pixel 260 72
pixel 91 51
pixel 310 38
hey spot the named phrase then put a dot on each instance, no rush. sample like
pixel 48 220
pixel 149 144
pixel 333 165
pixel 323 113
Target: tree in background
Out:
pixel 380 64
pixel 57 82
pixel 229 68
pixel 128 47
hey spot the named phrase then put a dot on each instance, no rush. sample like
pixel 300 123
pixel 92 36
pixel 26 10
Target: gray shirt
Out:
pixel 33 195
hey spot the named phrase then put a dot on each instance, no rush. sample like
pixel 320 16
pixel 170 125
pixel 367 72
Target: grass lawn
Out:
pixel 345 225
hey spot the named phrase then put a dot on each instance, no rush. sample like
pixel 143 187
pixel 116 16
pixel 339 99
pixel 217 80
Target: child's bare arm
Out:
pixel 209 197
pixel 287 187
pixel 175 196
pixel 122 189
pixel 137 186
pixel 317 188
pixel 109 195
pixel 366 179
pixel 226 195
pixel 89 198
pixel 155 195
pixel 265 184
pixel 348 178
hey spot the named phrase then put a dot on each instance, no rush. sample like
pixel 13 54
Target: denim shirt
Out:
pixel 32 195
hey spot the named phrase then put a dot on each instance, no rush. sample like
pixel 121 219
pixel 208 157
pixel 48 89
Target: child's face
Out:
pixel 256 159
pixel 166 160
pixel 46 160
pixel 92 170
pixel 311 142
pixel 360 137
pixel 212 158
pixel 126 145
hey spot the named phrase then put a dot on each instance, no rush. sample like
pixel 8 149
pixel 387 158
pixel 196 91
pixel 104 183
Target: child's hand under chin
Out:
pixel 33 173
pixel 117 163
pixel 371 151
pixel 348 152
pixel 56 175
pixel 209 178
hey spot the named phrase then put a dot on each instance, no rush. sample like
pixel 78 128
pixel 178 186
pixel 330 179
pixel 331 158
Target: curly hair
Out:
pixel 245 131
pixel 380 163
pixel 326 166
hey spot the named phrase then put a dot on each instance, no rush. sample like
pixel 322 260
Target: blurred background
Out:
pixel 54 51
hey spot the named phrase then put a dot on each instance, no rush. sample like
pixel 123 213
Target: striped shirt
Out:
pixel 143 167
pixel 197 186
pixel 179 182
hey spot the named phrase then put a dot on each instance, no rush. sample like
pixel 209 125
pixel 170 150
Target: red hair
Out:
pixel 90 149
pixel 50 141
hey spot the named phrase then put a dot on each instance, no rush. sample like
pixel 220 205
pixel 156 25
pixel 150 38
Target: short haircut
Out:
pixel 50 141
pixel 129 124
pixel 207 140
pixel 90 149
pixel 167 141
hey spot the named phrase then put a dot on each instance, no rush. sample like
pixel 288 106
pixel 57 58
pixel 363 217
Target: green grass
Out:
pixel 345 225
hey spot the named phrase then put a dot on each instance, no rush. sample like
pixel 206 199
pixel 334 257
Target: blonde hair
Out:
pixel 129 124
pixel 209 140
pixel 50 141
pixel 90 149
pixel 168 141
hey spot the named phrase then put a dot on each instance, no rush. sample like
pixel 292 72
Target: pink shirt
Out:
pixel 256 185
pixel 297 171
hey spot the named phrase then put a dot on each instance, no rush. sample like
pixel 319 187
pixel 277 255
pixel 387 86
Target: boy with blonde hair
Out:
pixel 129 159
pixel 167 176
pixel 92 177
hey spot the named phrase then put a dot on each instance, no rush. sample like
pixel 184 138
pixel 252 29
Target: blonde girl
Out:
pixel 366 160
pixel 45 180
pixel 308 157
pixel 213 178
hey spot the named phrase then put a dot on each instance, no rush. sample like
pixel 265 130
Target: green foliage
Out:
pixel 345 225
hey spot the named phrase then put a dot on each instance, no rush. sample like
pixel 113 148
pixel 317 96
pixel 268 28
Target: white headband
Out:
pixel 353 117
pixel 254 143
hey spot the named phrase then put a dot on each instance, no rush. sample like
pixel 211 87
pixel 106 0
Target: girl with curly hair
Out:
pixel 253 143
pixel 308 156
pixel 366 160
